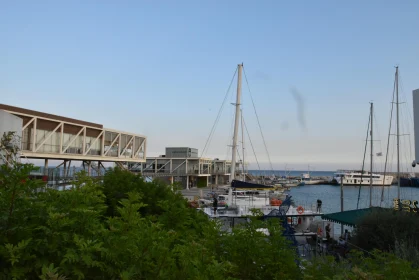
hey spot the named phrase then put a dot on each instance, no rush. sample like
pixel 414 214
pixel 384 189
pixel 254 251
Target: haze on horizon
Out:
pixel 162 70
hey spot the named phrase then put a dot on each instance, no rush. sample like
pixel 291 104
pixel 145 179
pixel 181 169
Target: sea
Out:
pixel 354 197
pixel 291 173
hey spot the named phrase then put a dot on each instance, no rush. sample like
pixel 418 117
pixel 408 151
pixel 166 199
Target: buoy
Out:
pixel 300 210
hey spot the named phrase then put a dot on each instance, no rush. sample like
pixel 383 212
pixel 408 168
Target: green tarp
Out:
pixel 351 217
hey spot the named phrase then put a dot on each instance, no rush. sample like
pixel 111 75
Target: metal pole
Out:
pixel 371 155
pixel 236 122
pixel 341 201
pixel 398 134
pixel 244 175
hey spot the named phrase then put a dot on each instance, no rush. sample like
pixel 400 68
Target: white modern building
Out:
pixel 9 123
pixel 51 137
pixel 416 122
pixel 182 165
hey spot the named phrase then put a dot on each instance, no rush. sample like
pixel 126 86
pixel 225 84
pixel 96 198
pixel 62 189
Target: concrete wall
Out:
pixel 416 121
pixel 9 122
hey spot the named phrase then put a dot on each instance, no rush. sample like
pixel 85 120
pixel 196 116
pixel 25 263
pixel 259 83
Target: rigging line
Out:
pixel 254 153
pixel 363 162
pixel 257 118
pixel 388 141
pixel 219 114
pixel 408 109
pixel 380 162
pixel 230 137
pixel 409 169
pixel 404 153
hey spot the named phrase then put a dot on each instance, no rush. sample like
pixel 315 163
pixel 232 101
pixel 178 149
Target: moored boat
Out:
pixel 356 178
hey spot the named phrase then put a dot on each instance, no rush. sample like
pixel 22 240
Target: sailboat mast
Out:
pixel 236 122
pixel 371 138
pixel 398 133
pixel 244 175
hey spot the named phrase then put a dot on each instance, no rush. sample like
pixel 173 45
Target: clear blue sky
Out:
pixel 162 69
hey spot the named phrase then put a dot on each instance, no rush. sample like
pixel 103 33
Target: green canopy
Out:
pixel 351 217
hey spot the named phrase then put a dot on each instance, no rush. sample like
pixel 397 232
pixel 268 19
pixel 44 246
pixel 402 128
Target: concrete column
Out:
pixel 65 168
pixel 187 182
pixel 89 166
pixel 46 167
pixel 207 180
pixel 216 180
pixel 171 180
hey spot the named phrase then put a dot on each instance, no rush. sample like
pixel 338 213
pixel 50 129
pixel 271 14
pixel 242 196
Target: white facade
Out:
pixel 356 178
pixel 45 136
pixel 9 122
pixel 416 121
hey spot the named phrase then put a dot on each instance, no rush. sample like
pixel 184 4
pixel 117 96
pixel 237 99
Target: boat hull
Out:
pixel 335 182
pixel 409 182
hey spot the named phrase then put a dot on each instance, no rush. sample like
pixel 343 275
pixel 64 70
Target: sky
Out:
pixel 162 69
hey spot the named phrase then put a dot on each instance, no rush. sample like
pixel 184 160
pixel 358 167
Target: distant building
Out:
pixel 183 165
pixel 181 152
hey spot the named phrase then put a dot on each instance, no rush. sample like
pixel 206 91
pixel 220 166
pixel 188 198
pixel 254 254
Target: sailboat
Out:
pixel 362 177
pixel 412 180
pixel 242 206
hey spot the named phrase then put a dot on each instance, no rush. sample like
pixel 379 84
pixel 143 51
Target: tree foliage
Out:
pixel 390 231
pixel 126 228
pixel 374 266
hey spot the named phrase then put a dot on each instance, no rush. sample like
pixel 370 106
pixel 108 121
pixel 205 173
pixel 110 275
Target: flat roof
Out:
pixel 181 148
pixel 48 116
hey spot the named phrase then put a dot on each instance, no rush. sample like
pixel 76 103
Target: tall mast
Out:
pixel 398 133
pixel 244 175
pixel 371 119
pixel 236 122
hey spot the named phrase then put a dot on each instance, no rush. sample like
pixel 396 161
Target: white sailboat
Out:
pixel 242 205
pixel 362 177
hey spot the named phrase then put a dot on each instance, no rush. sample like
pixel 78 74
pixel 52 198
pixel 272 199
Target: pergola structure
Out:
pixel 46 136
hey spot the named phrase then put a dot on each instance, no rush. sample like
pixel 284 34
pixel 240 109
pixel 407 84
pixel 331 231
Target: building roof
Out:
pixel 18 110
pixel 351 217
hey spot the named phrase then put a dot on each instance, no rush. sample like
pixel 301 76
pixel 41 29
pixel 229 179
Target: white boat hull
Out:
pixel 364 181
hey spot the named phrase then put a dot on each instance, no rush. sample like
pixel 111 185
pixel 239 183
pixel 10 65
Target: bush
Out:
pixel 390 231
pixel 374 266
pixel 126 228
pixel 123 228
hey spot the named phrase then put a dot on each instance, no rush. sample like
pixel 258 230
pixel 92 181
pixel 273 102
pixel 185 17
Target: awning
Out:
pixel 351 217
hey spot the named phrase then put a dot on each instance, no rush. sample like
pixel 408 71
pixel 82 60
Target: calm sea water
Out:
pixel 307 195
pixel 292 173
pixel 330 196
